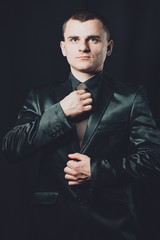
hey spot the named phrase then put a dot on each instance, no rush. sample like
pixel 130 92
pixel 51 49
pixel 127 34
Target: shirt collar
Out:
pixel 91 83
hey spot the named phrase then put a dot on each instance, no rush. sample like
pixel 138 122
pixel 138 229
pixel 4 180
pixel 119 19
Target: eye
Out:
pixel 74 40
pixel 94 40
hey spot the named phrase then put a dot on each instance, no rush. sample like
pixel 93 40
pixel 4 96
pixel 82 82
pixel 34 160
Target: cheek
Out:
pixel 100 52
pixel 70 53
pixel 100 56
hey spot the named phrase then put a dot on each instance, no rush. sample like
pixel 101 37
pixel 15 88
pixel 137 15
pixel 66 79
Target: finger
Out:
pixel 85 95
pixel 77 156
pixel 75 182
pixel 70 171
pixel 80 92
pixel 87 108
pixel 87 101
pixel 70 177
pixel 72 164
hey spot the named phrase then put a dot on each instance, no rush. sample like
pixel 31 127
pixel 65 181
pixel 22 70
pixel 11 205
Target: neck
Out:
pixel 82 76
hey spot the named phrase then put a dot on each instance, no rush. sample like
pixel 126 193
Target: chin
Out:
pixel 86 69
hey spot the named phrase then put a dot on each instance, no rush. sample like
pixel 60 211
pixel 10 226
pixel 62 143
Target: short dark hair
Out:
pixel 84 16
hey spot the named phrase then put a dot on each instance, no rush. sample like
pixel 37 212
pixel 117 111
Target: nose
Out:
pixel 83 46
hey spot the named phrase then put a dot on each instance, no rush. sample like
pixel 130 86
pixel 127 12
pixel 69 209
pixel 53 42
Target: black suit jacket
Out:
pixel 121 139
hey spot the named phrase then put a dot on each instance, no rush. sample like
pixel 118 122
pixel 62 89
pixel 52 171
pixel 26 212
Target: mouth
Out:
pixel 84 57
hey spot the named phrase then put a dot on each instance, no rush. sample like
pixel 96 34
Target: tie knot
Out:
pixel 81 86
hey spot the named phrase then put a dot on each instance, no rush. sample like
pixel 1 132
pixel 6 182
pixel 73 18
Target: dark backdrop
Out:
pixel 30 54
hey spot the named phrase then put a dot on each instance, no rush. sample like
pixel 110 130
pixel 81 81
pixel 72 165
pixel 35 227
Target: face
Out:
pixel 85 45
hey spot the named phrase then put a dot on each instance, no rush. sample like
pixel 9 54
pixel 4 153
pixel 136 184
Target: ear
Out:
pixel 110 47
pixel 63 49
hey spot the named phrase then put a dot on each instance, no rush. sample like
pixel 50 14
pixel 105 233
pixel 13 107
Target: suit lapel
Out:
pixel 104 95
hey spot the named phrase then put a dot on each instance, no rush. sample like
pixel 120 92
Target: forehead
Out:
pixel 90 27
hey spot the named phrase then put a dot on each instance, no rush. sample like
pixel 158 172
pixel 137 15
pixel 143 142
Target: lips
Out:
pixel 84 57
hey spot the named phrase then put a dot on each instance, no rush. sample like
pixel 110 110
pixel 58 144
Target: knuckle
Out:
pixel 76 168
pixel 77 155
pixel 77 94
pixel 81 108
pixel 68 163
pixel 79 98
pixel 75 174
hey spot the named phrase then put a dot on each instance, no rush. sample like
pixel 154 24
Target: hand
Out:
pixel 79 171
pixel 76 103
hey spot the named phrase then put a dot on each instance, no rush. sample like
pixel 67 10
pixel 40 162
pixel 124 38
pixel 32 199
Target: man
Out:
pixel 96 140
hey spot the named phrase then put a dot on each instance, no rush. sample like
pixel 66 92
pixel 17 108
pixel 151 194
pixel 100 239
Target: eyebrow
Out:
pixel 94 36
pixel 88 37
pixel 72 37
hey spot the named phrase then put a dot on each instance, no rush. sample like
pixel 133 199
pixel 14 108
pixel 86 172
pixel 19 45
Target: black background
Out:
pixel 30 32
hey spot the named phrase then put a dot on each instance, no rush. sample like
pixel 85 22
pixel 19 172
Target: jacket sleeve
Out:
pixel 143 157
pixel 34 128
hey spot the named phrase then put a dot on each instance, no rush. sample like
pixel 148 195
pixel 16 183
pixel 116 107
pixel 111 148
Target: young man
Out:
pixel 96 138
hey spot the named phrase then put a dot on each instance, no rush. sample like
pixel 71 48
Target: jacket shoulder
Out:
pixel 46 89
pixel 125 86
pixel 50 85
